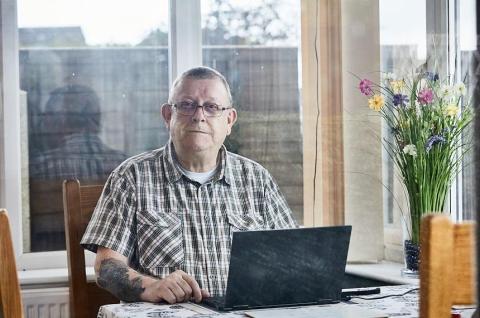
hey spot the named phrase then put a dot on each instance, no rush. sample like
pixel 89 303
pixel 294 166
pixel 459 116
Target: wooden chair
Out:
pixel 10 298
pixel 78 204
pixel 447 266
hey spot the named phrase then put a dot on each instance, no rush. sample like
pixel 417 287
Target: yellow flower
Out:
pixel 376 102
pixel 451 110
pixel 397 86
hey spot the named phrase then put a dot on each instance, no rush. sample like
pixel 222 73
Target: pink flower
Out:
pixel 425 96
pixel 365 87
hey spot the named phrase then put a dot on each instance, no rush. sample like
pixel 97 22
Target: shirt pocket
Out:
pixel 160 239
pixel 244 222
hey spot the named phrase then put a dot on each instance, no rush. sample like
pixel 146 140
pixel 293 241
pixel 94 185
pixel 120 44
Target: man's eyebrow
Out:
pixel 211 100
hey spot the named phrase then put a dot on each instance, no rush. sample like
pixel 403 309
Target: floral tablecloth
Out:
pixel 394 306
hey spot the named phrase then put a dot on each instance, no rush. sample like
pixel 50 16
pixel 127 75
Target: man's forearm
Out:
pixel 113 275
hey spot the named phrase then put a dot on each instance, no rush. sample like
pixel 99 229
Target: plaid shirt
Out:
pixel 162 221
pixel 82 156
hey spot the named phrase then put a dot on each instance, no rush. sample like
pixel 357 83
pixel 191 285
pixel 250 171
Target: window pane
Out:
pixel 403 48
pixel 467 40
pixel 255 44
pixel 93 74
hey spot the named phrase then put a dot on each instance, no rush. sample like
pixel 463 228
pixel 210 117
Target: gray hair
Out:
pixel 201 72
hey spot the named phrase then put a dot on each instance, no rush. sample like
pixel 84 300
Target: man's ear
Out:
pixel 231 119
pixel 167 114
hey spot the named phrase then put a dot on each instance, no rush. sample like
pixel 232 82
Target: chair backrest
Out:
pixel 78 204
pixel 47 229
pixel 10 298
pixel 447 265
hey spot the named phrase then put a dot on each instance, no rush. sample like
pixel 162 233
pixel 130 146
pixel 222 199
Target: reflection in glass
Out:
pixel 70 146
pixel 256 44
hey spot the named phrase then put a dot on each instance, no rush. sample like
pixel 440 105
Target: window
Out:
pixel 256 46
pixel 81 65
pixel 403 46
pixel 465 70
pixel 92 85
pixel 407 46
pixel 303 123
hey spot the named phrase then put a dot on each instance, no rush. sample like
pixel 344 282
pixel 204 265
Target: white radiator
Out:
pixel 46 302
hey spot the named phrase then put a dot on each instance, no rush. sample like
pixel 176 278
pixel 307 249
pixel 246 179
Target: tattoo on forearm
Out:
pixel 113 276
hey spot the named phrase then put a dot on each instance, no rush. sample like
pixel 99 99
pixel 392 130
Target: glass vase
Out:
pixel 412 259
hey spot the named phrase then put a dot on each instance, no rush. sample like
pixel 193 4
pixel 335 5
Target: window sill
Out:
pixel 387 272
pixel 54 277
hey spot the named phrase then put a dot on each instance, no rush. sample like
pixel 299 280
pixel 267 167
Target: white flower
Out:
pixel 389 76
pixel 410 150
pixel 460 89
pixel 446 91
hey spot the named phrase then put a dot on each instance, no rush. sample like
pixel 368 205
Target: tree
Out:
pixel 156 37
pixel 246 24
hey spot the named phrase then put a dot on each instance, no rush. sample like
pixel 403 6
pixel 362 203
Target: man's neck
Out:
pixel 197 161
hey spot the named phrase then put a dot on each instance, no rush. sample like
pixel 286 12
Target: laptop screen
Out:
pixel 287 267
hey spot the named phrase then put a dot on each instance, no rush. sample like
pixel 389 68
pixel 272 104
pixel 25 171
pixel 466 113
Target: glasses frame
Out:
pixel 206 114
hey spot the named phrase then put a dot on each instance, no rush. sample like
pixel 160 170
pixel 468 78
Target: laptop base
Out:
pixel 218 303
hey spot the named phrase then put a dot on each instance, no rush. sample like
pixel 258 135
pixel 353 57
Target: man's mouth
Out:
pixel 197 131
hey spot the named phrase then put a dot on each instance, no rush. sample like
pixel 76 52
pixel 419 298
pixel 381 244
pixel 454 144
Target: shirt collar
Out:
pixel 225 171
pixel 173 173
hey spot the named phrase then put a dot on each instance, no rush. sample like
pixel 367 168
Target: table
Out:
pixel 396 306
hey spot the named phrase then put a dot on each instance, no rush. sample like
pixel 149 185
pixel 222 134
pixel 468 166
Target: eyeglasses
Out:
pixel 188 108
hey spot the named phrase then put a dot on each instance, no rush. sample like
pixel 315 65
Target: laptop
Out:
pixel 281 268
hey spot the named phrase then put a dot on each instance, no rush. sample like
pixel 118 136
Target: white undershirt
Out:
pixel 200 177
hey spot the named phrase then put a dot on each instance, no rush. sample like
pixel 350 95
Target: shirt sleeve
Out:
pixel 278 213
pixel 113 221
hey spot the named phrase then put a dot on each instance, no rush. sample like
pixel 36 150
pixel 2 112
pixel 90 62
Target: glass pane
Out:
pixel 93 74
pixel 467 39
pixel 256 44
pixel 403 48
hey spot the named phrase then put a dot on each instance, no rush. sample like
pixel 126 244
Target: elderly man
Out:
pixel 162 229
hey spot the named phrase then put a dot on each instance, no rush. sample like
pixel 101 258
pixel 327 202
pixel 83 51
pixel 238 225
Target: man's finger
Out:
pixel 177 291
pixel 205 293
pixel 167 295
pixel 186 288
pixel 197 294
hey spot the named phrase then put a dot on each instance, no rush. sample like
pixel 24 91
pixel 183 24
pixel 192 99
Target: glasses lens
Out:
pixel 186 108
pixel 211 110
pixel 189 108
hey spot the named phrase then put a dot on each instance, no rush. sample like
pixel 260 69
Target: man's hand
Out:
pixel 176 287
pixel 117 277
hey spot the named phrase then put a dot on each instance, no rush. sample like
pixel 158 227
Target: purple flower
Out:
pixel 365 87
pixel 425 96
pixel 431 76
pixel 433 140
pixel 399 99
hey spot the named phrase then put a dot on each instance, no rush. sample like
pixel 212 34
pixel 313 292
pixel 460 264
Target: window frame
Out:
pixel 182 38
pixel 328 209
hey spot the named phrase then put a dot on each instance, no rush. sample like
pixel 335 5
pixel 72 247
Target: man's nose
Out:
pixel 199 114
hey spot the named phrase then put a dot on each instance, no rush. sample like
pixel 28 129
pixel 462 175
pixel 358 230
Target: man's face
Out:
pixel 198 133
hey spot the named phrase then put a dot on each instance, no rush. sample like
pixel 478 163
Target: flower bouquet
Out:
pixel 426 120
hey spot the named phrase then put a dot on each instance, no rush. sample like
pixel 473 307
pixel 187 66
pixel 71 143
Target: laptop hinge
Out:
pixel 240 307
pixel 325 301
